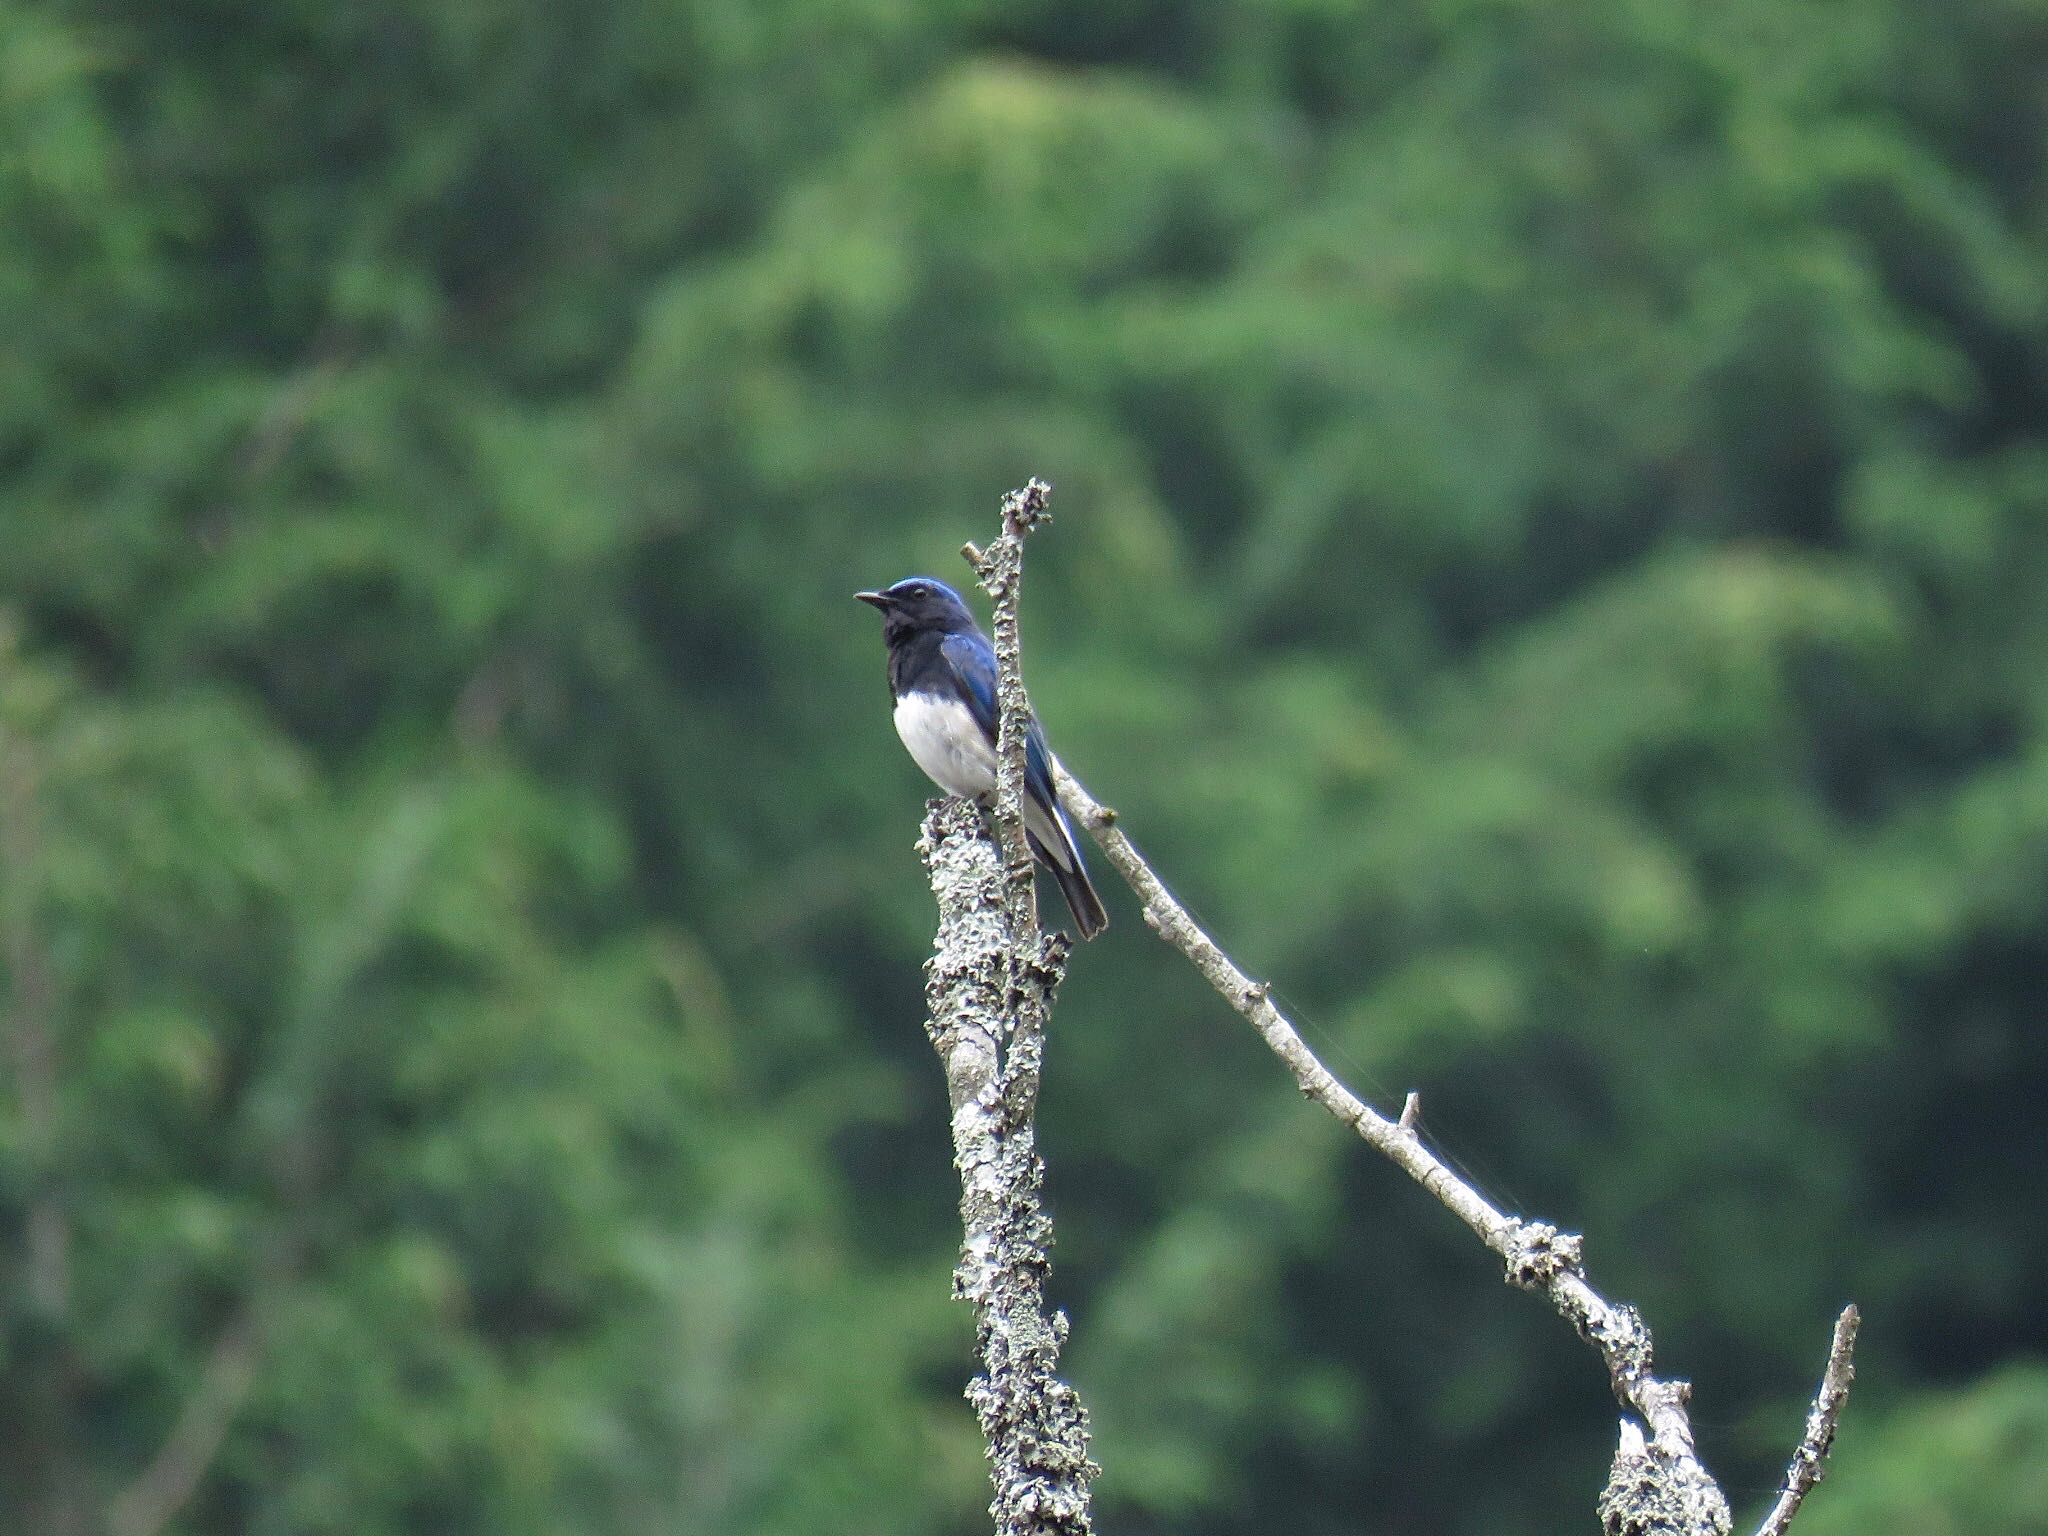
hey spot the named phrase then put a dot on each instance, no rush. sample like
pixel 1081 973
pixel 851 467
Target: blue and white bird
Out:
pixel 942 674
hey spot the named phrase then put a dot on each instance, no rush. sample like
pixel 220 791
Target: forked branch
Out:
pixel 1657 1483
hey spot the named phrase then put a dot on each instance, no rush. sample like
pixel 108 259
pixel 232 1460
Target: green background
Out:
pixel 1551 559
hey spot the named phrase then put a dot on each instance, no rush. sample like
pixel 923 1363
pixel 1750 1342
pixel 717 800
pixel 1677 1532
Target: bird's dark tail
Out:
pixel 1089 916
pixel 1082 901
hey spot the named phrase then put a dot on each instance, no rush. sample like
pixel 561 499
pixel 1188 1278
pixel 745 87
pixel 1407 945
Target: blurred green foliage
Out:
pixel 1552 533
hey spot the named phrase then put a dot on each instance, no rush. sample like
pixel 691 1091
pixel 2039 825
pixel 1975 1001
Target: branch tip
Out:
pixel 1809 1460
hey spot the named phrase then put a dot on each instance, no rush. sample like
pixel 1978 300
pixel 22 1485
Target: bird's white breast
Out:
pixel 946 743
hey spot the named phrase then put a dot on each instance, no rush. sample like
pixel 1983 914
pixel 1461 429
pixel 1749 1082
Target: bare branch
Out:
pixel 1033 1422
pixel 1537 1256
pixel 1809 1462
pixel 1657 1483
pixel 164 1487
pixel 148 1504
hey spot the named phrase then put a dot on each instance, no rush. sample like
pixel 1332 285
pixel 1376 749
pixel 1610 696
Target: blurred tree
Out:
pixel 1553 523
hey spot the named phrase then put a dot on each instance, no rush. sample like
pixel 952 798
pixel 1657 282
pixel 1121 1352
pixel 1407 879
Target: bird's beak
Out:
pixel 875 599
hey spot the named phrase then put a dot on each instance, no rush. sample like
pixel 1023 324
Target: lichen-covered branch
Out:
pixel 1657 1483
pixel 989 990
pixel 987 1025
pixel 1657 1486
pixel 1001 573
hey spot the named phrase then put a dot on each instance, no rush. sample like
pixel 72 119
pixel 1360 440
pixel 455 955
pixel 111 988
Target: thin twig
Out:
pixel 160 1492
pixel 166 1485
pixel 1809 1462
pixel 1538 1257
pixel 148 1504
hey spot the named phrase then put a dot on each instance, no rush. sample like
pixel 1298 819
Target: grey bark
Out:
pixel 1809 1461
pixel 1657 1483
pixel 987 1025
pixel 1001 573
pixel 989 990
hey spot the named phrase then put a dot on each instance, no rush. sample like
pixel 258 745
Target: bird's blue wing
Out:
pixel 970 666
pixel 972 662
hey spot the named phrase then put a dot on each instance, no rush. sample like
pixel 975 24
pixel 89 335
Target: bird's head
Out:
pixel 917 604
